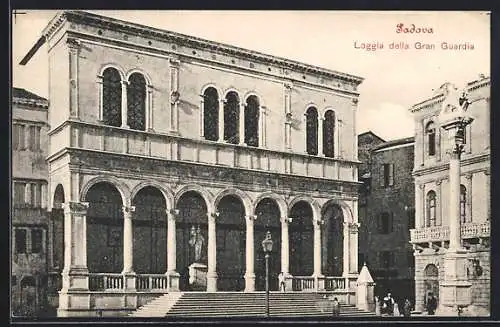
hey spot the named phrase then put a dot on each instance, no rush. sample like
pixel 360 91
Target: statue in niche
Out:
pixel 197 241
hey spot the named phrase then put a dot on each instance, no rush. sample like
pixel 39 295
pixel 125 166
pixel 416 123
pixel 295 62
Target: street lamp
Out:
pixel 267 246
pixel 454 119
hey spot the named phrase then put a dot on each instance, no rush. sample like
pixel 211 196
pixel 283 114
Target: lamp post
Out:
pixel 455 287
pixel 267 246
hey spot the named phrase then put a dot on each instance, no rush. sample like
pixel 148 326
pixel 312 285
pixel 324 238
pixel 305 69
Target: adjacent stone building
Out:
pixel 29 220
pixel 430 237
pixel 158 139
pixel 386 213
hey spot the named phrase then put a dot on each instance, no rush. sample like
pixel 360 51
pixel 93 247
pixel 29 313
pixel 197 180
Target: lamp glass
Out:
pixel 267 243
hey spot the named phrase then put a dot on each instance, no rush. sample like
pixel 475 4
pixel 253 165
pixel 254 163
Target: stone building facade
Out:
pixel 29 220
pixel 157 135
pixel 430 237
pixel 386 213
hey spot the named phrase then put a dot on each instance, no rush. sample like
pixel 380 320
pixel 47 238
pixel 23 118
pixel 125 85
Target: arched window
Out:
pixel 431 138
pixel 211 114
pixel 232 118
pixel 136 102
pixel 431 208
pixel 463 201
pixel 252 121
pixel 312 131
pixel 111 97
pixel 329 134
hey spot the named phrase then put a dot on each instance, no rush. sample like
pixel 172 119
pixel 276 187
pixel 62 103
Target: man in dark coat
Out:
pixel 407 308
pixel 431 304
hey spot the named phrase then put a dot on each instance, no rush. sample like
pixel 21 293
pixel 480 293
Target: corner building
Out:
pixel 154 132
pixel 430 237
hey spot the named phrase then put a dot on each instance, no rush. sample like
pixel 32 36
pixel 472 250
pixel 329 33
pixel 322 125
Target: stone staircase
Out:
pixel 243 305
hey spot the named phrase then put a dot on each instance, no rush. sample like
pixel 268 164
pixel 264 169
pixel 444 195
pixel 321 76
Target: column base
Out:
pixel 173 281
pixel 288 278
pixel 250 282
pixel 211 282
pixel 129 279
pixel 73 300
pixel 319 281
pixel 76 279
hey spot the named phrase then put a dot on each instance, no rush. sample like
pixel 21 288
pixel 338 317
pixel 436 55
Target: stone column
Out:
pixel 288 115
pixel 320 135
pixel 454 202
pixel 202 117
pixel 250 255
pixel 173 275
pixel 468 198
pixel 346 233
pixel 124 105
pixel 149 108
pixel 75 272
pixel 74 49
pixel 174 94
pixel 221 119
pixel 241 124
pixel 353 249
pixel 101 100
pixel 439 202
pixel 438 144
pixel 128 248
pixel 418 206
pixel 424 141
pixel 262 126
pixel 285 253
pixel 320 285
pixel 212 254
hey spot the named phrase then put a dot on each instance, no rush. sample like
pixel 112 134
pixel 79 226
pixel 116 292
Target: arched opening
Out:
pixel 463 203
pixel 333 240
pixel 211 114
pixel 28 296
pixel 329 134
pixel 301 236
pixel 136 102
pixel 430 131
pixel 312 131
pixel 231 236
pixel 150 231
pixel 252 121
pixel 431 282
pixel 431 208
pixel 104 229
pixel 192 215
pixel 268 219
pixel 112 97
pixel 232 118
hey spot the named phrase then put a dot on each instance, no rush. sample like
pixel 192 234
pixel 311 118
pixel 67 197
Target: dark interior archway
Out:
pixel 301 236
pixel 333 240
pixel 150 231
pixel 231 236
pixel 268 219
pixel 192 213
pixel 104 229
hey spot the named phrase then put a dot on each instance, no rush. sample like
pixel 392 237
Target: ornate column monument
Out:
pixel 455 288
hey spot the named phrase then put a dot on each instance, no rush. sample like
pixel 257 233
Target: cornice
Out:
pixel 445 166
pixel 141 30
pixel 31 102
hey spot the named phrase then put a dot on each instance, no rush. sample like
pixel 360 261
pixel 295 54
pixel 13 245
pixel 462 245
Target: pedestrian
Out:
pixel 407 308
pixel 395 311
pixel 281 278
pixel 336 307
pixel 388 304
pixel 431 304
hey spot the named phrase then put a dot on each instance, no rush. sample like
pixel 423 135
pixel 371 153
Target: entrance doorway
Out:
pixel 431 282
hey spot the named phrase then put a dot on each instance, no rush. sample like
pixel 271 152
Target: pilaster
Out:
pixel 173 275
pixel 212 254
pixel 250 254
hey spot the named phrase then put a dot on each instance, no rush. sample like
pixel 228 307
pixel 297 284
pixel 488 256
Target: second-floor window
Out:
pixel 411 219
pixel 430 131
pixel 29 194
pixel 36 241
pixel 18 137
pixel 112 97
pixel 136 102
pixel 312 131
pixel 20 237
pixel 387 175
pixel 211 114
pixel 19 193
pixel 232 118
pixel 385 224
pixel 329 134
pixel 431 209
pixel 34 138
pixel 252 121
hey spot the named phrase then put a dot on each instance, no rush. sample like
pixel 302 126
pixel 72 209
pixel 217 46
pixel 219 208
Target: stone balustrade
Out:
pixel 442 233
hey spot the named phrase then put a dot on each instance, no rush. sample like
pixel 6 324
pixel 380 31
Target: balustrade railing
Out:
pixel 442 233
pixel 334 283
pixel 105 282
pixel 145 282
pixel 303 283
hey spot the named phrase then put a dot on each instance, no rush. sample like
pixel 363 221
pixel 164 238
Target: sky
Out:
pixel 394 79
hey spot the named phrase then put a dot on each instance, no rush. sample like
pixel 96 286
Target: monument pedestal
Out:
pixel 198 276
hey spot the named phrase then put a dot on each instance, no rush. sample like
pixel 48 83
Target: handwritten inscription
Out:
pixel 419 45
pixel 402 28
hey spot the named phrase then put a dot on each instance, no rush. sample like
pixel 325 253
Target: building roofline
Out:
pixel 372 133
pixel 28 98
pixel 439 96
pixel 90 18
pixel 401 141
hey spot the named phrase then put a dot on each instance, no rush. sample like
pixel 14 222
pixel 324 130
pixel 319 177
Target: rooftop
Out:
pixel 22 96
pixel 397 142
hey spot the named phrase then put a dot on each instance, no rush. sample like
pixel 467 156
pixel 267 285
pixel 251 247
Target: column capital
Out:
pixel 468 176
pixel 288 118
pixel 421 186
pixel 223 101
pixel 438 182
pixel 174 62
pixel 73 44
pixel 486 172
pixel 213 216
pixel 288 86
pixel 319 222
pixel 125 83
pixel 128 209
pixel 353 227
pixel 286 220
pixel 172 214
pixel 354 101
pixel 76 208
pixel 99 78
pixel 250 218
